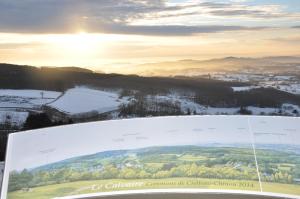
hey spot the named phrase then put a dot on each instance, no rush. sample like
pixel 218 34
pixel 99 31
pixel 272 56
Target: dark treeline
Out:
pixel 41 120
pixel 5 129
pixel 207 92
pixel 144 108
pixel 25 77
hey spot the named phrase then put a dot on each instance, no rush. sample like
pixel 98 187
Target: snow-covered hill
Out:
pixel 82 100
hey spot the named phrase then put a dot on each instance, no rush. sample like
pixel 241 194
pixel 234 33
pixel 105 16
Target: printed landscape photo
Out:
pixel 208 167
pixel 241 153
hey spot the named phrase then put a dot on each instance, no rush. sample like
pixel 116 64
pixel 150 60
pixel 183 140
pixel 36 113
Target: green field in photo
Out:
pixel 83 187
pixel 224 168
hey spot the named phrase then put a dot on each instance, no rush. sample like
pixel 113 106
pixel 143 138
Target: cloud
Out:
pixel 13 46
pixel 239 8
pixel 118 17
pixel 169 30
pixel 287 40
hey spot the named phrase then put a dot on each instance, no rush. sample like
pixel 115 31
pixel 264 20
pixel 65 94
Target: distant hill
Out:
pixel 84 161
pixel 50 78
pixel 155 154
pixel 165 154
pixel 283 59
pixel 189 67
pixel 69 69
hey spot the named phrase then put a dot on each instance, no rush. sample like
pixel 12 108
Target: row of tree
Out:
pixel 280 176
pixel 27 179
pixel 142 108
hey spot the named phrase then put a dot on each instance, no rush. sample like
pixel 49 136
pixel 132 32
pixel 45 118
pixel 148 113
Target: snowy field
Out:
pixel 14 118
pixel 292 88
pixel 188 105
pixel 244 88
pixel 83 100
pixel 26 98
pixel 286 83
pixel 15 103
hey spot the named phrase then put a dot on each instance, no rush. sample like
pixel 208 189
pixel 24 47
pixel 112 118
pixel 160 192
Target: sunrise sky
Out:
pixel 108 35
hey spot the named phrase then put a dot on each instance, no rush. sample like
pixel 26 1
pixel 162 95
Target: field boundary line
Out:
pixel 254 152
pixel 61 95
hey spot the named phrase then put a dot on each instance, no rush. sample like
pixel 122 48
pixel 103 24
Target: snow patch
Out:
pixel 13 118
pixel 82 100
pixel 291 88
pixel 286 83
pixel 26 98
pixel 188 105
pixel 244 88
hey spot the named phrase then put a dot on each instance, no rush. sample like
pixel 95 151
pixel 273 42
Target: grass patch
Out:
pixel 292 189
pixel 193 158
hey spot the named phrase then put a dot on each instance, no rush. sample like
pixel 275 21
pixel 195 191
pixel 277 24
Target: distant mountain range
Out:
pixel 189 67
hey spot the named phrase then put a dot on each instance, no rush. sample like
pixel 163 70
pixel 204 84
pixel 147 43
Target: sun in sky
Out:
pixel 110 35
pixel 79 45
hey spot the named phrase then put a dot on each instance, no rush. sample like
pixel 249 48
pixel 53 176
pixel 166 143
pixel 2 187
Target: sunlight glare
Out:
pixel 80 45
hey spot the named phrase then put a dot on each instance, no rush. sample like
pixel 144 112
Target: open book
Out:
pixel 186 154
